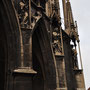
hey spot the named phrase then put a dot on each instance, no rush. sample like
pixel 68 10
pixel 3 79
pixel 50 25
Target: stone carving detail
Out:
pixel 75 59
pixel 36 15
pixel 22 8
pixel 57 47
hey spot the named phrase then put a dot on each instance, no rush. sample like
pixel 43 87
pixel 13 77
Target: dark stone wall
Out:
pixel 22 82
pixel 68 64
pixel 74 77
pixel 43 53
pixel 61 71
pixel 43 56
pixel 10 35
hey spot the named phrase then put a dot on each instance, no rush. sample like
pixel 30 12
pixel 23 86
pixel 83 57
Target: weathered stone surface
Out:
pixel 35 53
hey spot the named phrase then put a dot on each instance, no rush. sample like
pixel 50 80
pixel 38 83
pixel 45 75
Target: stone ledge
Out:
pixel 24 70
pixel 61 89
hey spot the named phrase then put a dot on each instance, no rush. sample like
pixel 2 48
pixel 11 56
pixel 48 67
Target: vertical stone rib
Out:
pixel 30 50
pixel 65 13
pixel 22 52
pixel 30 13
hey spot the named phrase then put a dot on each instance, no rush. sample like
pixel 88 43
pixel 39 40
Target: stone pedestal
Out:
pixel 22 78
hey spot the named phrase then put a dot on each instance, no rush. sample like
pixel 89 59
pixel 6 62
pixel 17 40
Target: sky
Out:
pixel 81 13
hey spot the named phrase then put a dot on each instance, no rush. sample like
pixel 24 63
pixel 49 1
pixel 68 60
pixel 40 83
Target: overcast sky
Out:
pixel 81 13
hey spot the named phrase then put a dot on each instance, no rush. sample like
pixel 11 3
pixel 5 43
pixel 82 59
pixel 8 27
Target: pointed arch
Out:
pixel 42 50
pixel 10 42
